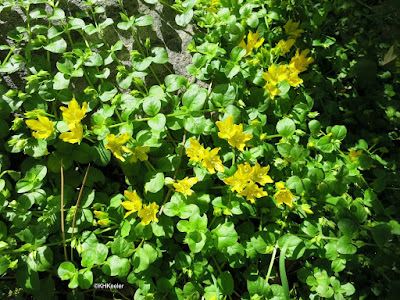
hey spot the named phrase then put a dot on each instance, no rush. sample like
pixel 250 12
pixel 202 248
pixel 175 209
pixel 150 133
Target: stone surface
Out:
pixel 163 33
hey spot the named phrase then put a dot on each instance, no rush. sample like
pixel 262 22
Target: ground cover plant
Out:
pixel 270 171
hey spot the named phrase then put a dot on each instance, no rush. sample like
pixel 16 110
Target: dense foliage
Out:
pixel 270 173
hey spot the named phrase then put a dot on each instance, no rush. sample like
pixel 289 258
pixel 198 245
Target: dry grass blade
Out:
pixel 62 211
pixel 76 210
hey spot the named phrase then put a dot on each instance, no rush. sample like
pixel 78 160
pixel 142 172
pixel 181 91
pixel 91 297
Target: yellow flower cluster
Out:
pixel 245 180
pixel 184 186
pixel 147 213
pixel 73 115
pixel 43 127
pixel 292 29
pixel 354 155
pixel 233 133
pixel 283 195
pixel 116 145
pixel 283 47
pixel 253 41
pixel 209 159
pixel 289 72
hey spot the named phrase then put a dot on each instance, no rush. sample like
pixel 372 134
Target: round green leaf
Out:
pixel 66 270
pixel 286 127
pixel 151 105
pixel 157 122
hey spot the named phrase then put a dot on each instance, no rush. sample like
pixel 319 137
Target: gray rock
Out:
pixel 163 33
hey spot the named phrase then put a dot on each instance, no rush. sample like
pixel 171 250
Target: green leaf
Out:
pixel 122 247
pixel 143 257
pixel 36 148
pixel 160 55
pixel 94 255
pixel 61 81
pixel 195 125
pixel 175 82
pixel 295 246
pixel 225 283
pixel 185 18
pixel 66 270
pixel 85 278
pixel 56 45
pixel 116 266
pixel 223 95
pixel 237 53
pixel 144 20
pixel 151 105
pixel 314 126
pixel 155 182
pixel 286 127
pixel 194 98
pixel 347 226
pixel 58 14
pixel 226 235
pixel 4 264
pixel 344 246
pixel 231 70
pixel 347 289
pixel 94 60
pixel 324 144
pixel 338 265
pixel 41 259
pixel 196 241
pixel 339 132
pixel 157 122
pixel 381 233
pixel 263 242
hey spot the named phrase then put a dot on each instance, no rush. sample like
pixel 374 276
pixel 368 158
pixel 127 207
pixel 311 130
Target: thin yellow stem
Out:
pixel 62 211
pixel 76 210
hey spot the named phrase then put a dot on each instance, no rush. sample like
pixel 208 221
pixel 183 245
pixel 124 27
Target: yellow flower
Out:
pixel 272 90
pixel 133 204
pixel 100 214
pixel 252 191
pixel 355 154
pixel 73 136
pixel 115 144
pixel 74 113
pixel 239 139
pixel 300 61
pixel 245 171
pixel 148 213
pixel 283 46
pixel 291 29
pixel 252 42
pixel 241 178
pixel 275 75
pixel 104 222
pixel 225 128
pixel 307 209
pixel 212 161
pixel 196 152
pixel 184 186
pixel 237 182
pixel 212 8
pixel 44 127
pixel 260 176
pixel 283 195
pixel 140 152
pixel 292 76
